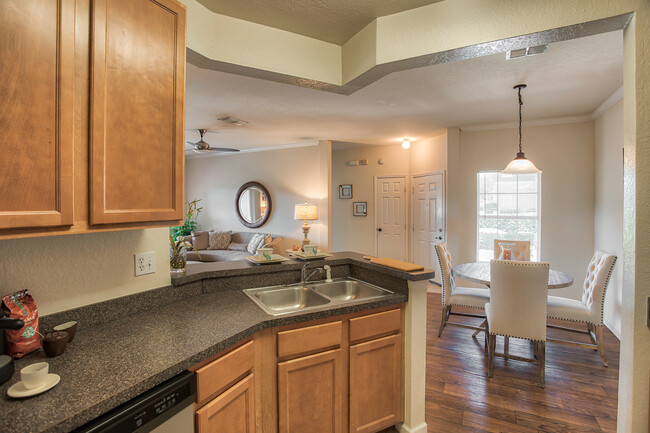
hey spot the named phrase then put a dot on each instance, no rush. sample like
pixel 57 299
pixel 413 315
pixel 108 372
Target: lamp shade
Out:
pixel 521 165
pixel 306 211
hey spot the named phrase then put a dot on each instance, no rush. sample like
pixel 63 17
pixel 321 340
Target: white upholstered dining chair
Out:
pixel 520 250
pixel 589 309
pixel 457 296
pixel 517 308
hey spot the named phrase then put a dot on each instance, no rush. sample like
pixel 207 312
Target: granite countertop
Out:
pixel 110 363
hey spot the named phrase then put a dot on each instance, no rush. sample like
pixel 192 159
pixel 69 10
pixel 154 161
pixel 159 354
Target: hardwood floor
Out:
pixel 580 394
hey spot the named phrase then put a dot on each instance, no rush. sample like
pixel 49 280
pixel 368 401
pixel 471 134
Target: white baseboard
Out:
pixel 422 428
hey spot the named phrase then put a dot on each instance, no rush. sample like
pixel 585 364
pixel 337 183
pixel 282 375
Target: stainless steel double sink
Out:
pixel 278 300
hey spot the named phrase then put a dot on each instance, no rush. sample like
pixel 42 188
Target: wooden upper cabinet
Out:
pixel 137 111
pixel 36 113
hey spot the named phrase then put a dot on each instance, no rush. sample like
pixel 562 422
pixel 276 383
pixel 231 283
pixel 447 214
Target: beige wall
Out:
pixel 429 155
pixel 350 233
pixel 565 155
pixel 358 233
pixel 290 175
pixel 608 206
pixel 64 272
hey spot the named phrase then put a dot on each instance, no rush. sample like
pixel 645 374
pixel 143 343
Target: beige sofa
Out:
pixel 236 250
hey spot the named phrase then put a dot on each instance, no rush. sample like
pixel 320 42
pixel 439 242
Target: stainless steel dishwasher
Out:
pixel 166 408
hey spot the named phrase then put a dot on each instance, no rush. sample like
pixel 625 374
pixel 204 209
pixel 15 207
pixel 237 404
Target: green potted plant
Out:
pixel 189 223
pixel 177 245
pixel 177 259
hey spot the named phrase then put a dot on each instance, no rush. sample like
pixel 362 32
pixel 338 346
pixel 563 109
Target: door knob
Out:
pixel 379 229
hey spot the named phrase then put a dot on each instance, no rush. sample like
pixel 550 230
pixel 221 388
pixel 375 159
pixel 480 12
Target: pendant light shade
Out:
pixel 521 165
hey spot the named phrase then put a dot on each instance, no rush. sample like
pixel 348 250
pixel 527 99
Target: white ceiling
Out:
pixel 571 79
pixel 333 21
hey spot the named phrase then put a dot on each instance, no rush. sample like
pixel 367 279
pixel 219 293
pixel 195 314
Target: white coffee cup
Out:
pixel 311 250
pixel 33 376
pixel 265 253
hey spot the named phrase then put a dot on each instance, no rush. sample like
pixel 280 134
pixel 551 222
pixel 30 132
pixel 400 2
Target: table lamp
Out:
pixel 306 212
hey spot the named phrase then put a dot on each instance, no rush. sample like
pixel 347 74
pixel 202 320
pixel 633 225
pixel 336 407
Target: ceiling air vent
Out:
pixel 525 52
pixel 232 120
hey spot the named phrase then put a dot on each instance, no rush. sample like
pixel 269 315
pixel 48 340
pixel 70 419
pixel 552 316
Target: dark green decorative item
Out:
pixel 190 224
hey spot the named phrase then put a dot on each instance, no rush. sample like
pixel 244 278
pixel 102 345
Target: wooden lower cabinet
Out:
pixel 310 394
pixel 337 375
pixel 376 384
pixel 233 411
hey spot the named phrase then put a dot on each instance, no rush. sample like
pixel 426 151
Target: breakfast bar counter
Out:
pixel 125 346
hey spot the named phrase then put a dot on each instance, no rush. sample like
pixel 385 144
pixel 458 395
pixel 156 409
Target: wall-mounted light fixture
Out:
pixel 406 143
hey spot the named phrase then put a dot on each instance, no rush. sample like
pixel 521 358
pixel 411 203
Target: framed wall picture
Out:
pixel 345 191
pixel 360 208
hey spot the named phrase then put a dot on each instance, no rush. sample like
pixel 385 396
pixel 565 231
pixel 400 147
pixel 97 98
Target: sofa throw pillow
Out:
pixel 201 240
pixel 256 241
pixel 234 246
pixel 219 240
pixel 267 241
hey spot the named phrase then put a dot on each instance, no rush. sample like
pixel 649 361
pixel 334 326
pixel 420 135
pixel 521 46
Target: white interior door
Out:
pixel 428 211
pixel 390 217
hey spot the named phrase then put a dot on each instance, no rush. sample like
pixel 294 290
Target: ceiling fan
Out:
pixel 202 147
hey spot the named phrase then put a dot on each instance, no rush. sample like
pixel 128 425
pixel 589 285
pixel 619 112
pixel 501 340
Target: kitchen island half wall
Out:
pixel 126 346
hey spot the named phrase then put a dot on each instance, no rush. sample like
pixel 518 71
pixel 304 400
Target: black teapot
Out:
pixel 6 361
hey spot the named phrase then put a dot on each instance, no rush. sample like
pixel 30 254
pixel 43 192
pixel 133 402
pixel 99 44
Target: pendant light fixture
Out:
pixel 521 165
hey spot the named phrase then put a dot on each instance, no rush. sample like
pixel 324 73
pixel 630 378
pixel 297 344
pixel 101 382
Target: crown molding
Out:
pixel 609 102
pixel 540 122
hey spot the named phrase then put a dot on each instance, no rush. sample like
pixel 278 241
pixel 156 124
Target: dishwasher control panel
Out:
pixel 149 410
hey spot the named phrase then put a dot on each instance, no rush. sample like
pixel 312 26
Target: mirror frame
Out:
pixel 267 196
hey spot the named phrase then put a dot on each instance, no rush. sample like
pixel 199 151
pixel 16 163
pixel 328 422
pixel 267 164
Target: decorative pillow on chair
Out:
pixel 219 240
pixel 256 242
pixel 201 240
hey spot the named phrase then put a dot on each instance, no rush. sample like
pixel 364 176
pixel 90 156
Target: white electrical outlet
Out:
pixel 145 263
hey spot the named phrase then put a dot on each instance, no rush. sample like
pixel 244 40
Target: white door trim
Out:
pixel 411 253
pixel 407 203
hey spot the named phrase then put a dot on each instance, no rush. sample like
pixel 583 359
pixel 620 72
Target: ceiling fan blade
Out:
pixel 193 144
pixel 223 149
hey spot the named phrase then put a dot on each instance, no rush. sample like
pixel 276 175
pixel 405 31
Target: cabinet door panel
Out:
pixel 231 412
pixel 376 384
pixel 220 373
pixel 137 111
pixel 310 394
pixel 36 113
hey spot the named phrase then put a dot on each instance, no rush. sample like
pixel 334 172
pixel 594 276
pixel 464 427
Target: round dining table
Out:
pixel 479 272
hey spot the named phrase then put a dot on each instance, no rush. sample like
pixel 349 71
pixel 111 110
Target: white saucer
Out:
pixel 18 390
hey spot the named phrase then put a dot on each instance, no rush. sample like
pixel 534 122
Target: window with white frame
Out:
pixel 508 207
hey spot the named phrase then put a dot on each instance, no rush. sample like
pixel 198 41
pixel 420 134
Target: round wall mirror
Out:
pixel 253 203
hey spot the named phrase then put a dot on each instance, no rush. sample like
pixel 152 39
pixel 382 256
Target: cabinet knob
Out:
pixel 379 229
